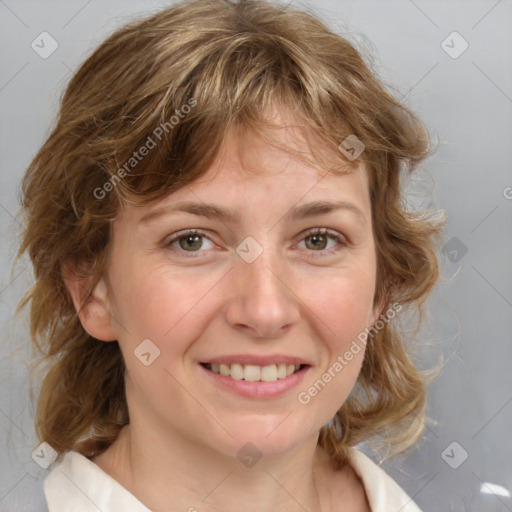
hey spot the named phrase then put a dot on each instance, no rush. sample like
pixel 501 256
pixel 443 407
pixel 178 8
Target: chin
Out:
pixel 267 437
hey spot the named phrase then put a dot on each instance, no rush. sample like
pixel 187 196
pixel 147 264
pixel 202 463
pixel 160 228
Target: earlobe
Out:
pixel 91 305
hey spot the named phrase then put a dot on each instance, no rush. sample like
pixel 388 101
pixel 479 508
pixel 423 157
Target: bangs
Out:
pixel 249 82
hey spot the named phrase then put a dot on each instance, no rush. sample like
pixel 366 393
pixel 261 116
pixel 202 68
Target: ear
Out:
pixel 91 305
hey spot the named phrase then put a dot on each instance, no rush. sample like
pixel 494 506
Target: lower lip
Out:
pixel 257 389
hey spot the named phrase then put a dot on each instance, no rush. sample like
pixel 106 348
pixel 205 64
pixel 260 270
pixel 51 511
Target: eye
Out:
pixel 191 240
pixel 322 240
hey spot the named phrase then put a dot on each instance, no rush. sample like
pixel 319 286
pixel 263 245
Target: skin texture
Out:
pixel 302 297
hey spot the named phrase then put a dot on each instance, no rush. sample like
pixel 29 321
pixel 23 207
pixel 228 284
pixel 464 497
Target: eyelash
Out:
pixel 338 238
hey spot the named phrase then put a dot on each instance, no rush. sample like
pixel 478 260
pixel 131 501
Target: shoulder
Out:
pixel 77 484
pixel 382 492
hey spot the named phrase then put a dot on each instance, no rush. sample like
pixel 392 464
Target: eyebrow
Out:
pixel 212 211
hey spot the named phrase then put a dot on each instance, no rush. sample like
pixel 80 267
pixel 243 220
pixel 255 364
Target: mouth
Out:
pixel 255 373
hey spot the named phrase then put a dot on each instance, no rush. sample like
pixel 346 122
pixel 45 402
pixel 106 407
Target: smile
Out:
pixel 254 373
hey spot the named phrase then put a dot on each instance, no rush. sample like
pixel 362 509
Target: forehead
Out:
pixel 285 153
pixel 266 175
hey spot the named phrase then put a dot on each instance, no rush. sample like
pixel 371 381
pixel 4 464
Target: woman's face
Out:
pixel 278 271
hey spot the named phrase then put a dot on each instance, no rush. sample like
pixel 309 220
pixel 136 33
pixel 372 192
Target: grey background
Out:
pixel 467 104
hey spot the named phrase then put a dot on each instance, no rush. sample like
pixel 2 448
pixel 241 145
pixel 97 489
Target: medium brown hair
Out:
pixel 231 63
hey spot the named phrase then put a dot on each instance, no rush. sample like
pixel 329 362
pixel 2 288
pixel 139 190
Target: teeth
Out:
pixel 237 371
pixel 269 373
pixel 253 373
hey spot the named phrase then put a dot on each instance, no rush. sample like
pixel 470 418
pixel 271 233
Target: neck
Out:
pixel 164 470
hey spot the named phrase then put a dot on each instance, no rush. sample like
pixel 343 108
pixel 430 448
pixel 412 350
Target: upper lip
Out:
pixel 256 359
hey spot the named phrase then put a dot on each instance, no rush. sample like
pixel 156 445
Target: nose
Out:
pixel 263 304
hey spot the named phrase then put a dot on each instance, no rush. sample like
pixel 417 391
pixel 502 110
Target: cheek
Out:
pixel 343 305
pixel 343 319
pixel 161 305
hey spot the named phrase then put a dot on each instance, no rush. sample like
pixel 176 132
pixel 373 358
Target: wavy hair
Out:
pixel 233 62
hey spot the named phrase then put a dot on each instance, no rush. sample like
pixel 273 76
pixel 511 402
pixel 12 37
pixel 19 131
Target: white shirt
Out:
pixel 79 485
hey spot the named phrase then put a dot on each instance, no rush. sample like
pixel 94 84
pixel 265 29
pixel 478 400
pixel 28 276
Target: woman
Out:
pixel 221 250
